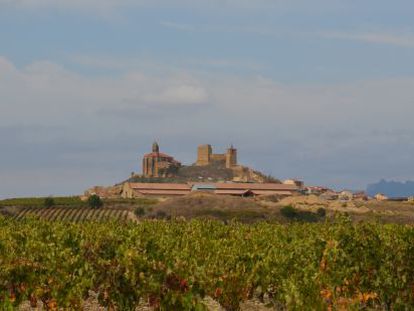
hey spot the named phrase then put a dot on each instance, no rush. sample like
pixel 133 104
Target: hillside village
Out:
pixel 164 176
pixel 215 186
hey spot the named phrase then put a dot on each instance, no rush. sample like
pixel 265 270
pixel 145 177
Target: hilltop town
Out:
pixel 133 217
pixel 218 173
pixel 163 176
pixel 215 186
pixel 209 166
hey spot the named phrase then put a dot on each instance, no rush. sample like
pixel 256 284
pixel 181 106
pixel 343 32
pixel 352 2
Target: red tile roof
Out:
pixel 231 192
pixel 271 192
pixel 159 186
pixel 219 188
pixel 157 154
pixel 256 186
pixel 163 192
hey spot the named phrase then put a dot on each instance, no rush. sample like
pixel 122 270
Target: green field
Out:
pixel 173 265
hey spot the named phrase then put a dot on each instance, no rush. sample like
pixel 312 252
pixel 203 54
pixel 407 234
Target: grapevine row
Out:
pixel 73 214
pixel 174 265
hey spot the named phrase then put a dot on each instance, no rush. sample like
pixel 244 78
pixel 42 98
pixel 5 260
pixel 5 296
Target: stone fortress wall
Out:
pixel 205 156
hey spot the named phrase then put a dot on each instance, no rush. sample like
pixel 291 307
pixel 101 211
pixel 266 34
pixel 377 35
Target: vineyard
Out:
pixel 173 265
pixel 74 214
pixel 73 209
pixel 39 202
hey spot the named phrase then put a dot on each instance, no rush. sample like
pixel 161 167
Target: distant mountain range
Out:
pixel 392 188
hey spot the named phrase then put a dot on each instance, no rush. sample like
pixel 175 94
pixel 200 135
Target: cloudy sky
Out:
pixel 319 90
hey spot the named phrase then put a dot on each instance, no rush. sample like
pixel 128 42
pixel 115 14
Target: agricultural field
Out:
pixel 39 202
pixel 148 254
pixel 181 265
pixel 207 206
pixel 72 209
pixel 74 214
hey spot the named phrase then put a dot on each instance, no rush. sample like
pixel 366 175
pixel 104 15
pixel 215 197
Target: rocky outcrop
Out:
pixel 246 174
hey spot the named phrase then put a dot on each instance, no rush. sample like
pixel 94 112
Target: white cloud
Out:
pixel 46 91
pixel 178 26
pixel 179 94
pixel 339 128
pixel 6 67
pixel 107 5
pixel 386 38
pixel 150 65
pixel 402 40
pixel 65 3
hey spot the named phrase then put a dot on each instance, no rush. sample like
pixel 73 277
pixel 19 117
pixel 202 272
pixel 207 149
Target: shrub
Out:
pixel 289 212
pixel 293 214
pixel 161 214
pixel 139 211
pixel 321 212
pixel 95 201
pixel 307 216
pixel 49 202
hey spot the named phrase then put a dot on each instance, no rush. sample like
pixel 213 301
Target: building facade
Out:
pixel 157 164
pixel 136 190
pixel 133 190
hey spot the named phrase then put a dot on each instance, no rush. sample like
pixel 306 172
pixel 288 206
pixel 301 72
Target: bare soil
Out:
pixel 205 205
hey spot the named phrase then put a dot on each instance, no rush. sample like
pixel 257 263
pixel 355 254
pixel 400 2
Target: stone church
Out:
pixel 157 164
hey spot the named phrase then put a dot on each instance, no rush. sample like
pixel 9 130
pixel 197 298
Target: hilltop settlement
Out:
pixel 214 173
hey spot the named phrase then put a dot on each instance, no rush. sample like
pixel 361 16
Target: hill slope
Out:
pixel 210 173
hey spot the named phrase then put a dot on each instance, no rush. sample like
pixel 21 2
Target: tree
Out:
pixel 95 201
pixel 161 215
pixel 49 202
pixel 139 211
pixel 289 212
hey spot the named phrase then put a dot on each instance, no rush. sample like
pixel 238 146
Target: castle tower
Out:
pixel 204 155
pixel 231 157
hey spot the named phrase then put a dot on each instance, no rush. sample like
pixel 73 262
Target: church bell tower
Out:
pixel 155 147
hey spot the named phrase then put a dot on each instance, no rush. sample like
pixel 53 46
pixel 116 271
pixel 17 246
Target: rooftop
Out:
pixel 159 186
pixel 157 154
pixel 256 186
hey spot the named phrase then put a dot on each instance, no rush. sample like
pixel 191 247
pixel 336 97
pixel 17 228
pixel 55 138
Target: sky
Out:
pixel 320 90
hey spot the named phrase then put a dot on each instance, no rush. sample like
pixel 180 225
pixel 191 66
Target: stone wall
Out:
pixel 231 157
pixel 218 157
pixel 204 155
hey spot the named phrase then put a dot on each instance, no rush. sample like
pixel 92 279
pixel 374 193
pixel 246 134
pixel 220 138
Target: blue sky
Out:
pixel 318 90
